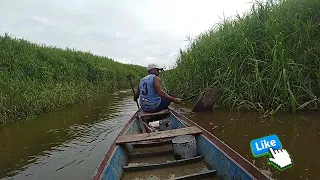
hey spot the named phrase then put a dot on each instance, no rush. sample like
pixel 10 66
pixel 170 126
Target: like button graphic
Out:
pixel 271 145
pixel 280 159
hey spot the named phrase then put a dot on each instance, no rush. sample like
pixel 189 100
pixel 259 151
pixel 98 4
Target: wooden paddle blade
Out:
pixel 207 99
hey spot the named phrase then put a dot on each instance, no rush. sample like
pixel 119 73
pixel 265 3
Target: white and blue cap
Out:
pixel 154 66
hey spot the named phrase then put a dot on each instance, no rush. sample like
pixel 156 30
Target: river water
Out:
pixel 69 143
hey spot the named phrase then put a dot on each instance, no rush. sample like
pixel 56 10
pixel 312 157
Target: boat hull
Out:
pixel 217 155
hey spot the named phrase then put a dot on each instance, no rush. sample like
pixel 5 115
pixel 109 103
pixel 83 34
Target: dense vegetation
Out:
pixel 268 58
pixel 37 79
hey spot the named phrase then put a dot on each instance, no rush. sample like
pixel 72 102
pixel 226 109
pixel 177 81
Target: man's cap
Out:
pixel 154 66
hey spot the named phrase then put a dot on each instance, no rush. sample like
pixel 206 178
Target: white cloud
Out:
pixel 40 19
pixel 140 31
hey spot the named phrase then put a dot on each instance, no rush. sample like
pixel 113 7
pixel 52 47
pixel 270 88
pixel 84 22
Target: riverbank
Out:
pixel 37 79
pixel 268 59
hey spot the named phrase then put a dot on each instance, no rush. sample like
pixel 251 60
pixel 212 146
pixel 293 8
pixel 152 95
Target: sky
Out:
pixel 129 31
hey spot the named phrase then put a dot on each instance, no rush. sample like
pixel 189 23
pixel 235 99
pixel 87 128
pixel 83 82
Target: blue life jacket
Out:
pixel 149 99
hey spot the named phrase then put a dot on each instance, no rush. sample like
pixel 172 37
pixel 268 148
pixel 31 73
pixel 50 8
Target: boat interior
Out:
pixel 155 158
pixel 144 150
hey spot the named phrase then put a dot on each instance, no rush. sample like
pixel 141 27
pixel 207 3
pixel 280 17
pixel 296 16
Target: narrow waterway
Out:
pixel 69 143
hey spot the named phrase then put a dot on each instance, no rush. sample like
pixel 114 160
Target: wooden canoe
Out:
pixel 140 153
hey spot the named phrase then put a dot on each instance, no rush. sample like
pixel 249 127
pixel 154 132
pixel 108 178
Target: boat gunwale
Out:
pixel 235 157
pixel 230 153
pixel 109 154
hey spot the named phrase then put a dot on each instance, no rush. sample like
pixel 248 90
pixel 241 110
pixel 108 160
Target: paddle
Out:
pixel 187 98
pixel 129 79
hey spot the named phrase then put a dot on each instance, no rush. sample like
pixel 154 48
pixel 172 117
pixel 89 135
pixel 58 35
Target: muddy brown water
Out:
pixel 69 143
pixel 299 134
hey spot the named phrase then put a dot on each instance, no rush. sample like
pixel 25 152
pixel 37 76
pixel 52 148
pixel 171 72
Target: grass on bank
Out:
pixel 266 59
pixel 36 79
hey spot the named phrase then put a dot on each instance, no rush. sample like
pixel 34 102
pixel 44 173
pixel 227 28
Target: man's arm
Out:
pixel 136 94
pixel 159 90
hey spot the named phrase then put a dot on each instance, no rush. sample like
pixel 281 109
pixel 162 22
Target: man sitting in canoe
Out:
pixel 152 97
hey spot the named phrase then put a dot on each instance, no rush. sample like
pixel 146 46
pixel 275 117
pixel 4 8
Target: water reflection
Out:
pixel 65 144
pixel 69 143
pixel 299 133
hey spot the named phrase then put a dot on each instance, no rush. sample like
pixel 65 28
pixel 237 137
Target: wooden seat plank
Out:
pixel 197 176
pixel 157 153
pixel 143 113
pixel 158 135
pixel 151 143
pixel 144 167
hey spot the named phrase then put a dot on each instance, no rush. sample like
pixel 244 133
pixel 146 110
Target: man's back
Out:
pixel 152 97
pixel 149 99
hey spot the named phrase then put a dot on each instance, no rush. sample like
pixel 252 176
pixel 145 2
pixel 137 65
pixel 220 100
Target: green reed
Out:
pixel 266 59
pixel 36 79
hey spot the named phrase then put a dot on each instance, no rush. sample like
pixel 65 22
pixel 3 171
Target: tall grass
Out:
pixel 268 58
pixel 36 79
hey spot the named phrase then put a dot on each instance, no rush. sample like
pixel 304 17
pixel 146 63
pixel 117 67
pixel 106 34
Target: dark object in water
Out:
pixel 207 99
